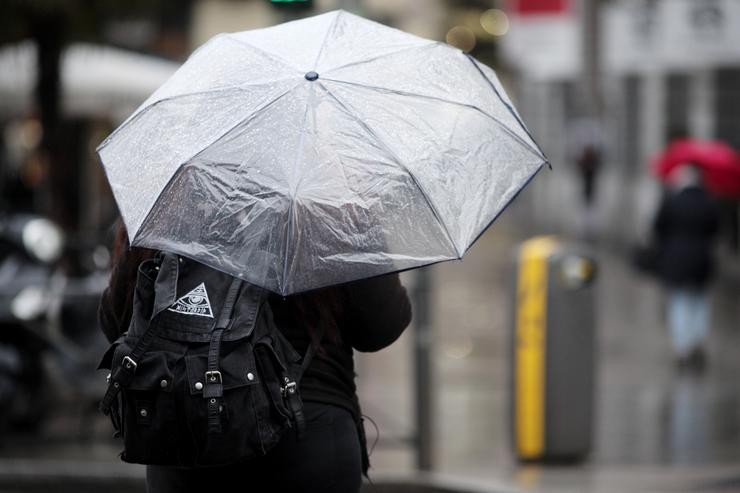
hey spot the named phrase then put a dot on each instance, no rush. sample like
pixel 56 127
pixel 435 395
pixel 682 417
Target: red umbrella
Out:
pixel 720 162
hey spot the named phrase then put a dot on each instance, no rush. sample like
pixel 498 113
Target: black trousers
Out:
pixel 327 459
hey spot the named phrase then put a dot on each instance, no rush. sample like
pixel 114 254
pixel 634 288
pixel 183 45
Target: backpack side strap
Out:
pixel 290 389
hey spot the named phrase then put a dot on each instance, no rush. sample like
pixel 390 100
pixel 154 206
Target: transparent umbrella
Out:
pixel 319 151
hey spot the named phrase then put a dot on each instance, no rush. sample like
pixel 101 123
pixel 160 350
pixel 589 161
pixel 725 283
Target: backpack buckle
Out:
pixel 213 376
pixel 129 364
pixel 289 389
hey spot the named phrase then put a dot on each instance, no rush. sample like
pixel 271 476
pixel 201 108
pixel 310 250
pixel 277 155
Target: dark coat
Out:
pixel 685 229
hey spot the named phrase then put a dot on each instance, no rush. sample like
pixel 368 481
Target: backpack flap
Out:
pixel 237 367
pixel 189 298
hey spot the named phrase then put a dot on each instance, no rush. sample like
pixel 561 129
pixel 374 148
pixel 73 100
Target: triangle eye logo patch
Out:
pixel 196 303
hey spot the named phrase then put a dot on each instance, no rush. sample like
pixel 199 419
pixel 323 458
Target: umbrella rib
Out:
pixel 241 122
pixel 326 36
pixel 240 87
pixel 146 110
pixel 294 193
pixel 261 51
pixel 383 55
pixel 350 111
pixel 508 106
pixel 154 104
pixel 508 202
pixel 503 126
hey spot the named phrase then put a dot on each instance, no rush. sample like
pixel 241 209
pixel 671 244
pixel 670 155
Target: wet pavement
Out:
pixel 656 428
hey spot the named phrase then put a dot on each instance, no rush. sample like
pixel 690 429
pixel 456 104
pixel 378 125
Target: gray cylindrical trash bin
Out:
pixel 553 361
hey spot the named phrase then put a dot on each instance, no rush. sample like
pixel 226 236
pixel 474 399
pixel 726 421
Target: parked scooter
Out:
pixel 49 338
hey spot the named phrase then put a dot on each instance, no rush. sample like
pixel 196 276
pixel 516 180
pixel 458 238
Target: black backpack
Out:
pixel 202 377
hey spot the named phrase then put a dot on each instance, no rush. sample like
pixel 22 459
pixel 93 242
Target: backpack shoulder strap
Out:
pixel 213 390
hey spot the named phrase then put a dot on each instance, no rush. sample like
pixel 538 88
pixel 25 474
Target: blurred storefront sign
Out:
pixel 539 7
pixel 97 81
pixel 544 38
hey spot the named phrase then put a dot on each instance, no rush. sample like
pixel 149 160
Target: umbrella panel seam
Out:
pixel 508 202
pixel 381 56
pixel 508 106
pixel 291 218
pixel 175 97
pixel 241 122
pixel 267 54
pixel 505 128
pixel 382 143
pixel 240 87
pixel 326 36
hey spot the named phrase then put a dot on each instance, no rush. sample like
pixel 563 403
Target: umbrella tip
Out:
pixel 312 76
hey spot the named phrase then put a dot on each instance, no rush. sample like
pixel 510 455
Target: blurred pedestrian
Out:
pixel 586 149
pixel 685 229
pixel 589 162
pixel 364 315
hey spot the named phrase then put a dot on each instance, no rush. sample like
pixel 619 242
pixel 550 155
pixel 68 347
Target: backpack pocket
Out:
pixel 148 412
pixel 248 423
pixel 274 369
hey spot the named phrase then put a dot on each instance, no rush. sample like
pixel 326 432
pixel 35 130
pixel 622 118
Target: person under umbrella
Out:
pixel 719 163
pixel 366 316
pixel 302 159
pixel 685 228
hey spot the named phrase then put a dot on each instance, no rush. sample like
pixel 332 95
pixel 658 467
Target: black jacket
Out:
pixel 685 228
pixel 373 315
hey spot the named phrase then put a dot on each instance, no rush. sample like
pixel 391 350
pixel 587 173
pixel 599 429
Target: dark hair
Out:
pixel 125 262
pixel 315 309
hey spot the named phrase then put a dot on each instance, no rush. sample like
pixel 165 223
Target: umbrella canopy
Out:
pixel 318 152
pixel 720 163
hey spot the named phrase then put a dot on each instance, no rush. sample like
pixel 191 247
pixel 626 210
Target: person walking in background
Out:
pixel 589 161
pixel 586 143
pixel 685 228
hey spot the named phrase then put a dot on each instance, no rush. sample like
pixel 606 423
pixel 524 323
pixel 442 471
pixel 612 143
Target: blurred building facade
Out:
pixel 664 68
pixel 62 90
pixel 650 68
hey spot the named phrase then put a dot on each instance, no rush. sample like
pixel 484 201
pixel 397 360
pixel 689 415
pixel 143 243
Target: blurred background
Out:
pixel 605 86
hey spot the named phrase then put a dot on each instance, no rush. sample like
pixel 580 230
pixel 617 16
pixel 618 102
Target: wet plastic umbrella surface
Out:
pixel 318 152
